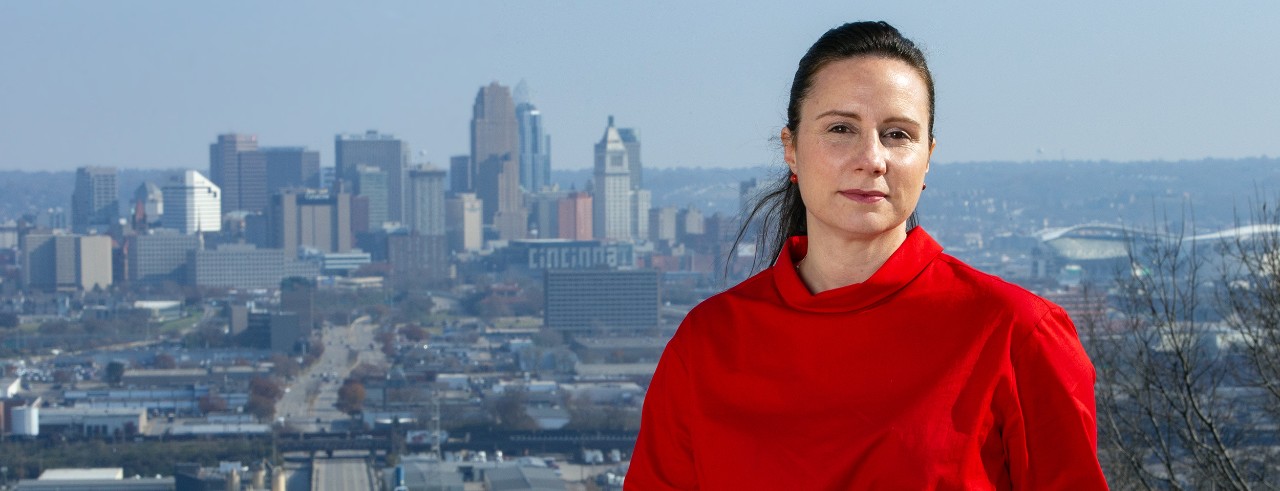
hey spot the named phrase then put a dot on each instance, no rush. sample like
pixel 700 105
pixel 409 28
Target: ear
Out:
pixel 788 148
pixel 933 144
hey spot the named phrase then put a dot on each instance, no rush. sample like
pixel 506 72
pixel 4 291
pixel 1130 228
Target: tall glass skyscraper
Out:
pixel 535 144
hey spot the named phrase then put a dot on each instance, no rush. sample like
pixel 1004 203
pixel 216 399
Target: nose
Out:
pixel 871 155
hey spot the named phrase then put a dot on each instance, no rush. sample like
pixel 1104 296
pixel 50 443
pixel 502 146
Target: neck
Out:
pixel 834 261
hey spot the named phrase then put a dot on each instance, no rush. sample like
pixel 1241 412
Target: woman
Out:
pixel 865 358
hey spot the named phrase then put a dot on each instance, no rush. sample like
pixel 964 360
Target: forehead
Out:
pixel 868 84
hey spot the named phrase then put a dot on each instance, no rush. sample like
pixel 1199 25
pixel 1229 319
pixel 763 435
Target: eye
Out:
pixel 840 128
pixel 898 136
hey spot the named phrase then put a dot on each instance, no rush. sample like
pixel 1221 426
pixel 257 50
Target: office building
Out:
pixel 327 176
pixel 631 142
pixel 95 202
pixel 535 144
pixel 66 262
pixel 544 213
pixel 245 266
pixel 298 295
pixel 372 183
pixel 612 187
pixel 160 257
pixel 460 178
pixel 690 225
pixel 463 223
pixel 316 219
pixel 148 204
pixel 662 224
pixel 291 167
pixel 575 221
pixel 239 169
pixel 379 150
pixel 193 204
pixel 424 204
pixel 601 299
pixel 418 257
pixel 495 159
pixel 278 331
pixel 641 200
pixel 530 255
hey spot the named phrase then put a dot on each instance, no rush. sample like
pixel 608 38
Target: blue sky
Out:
pixel 150 83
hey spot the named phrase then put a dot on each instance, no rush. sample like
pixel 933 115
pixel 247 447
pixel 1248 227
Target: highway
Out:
pixel 313 392
pixel 340 475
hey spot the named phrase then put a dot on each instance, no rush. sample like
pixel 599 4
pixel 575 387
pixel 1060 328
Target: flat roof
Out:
pixel 82 474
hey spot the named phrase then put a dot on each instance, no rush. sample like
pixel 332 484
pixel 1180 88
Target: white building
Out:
pixel 612 190
pixel 464 225
pixel 192 204
pixel 93 421
pixel 26 419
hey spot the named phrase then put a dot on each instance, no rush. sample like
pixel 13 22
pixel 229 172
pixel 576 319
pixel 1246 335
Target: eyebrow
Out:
pixel 856 116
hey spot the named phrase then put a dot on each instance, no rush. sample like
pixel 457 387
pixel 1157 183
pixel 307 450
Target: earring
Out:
pixel 924 187
pixel 794 179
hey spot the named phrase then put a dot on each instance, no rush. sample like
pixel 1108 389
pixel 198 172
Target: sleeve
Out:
pixel 663 456
pixel 1052 436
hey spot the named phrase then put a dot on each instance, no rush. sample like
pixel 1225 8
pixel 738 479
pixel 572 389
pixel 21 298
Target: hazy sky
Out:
pixel 150 83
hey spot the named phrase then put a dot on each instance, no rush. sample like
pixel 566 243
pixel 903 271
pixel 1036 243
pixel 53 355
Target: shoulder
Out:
pixel 751 295
pixel 968 285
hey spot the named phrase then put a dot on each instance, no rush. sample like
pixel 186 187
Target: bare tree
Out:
pixel 1178 370
pixel 1161 394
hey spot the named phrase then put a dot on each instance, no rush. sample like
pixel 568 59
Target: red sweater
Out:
pixel 929 375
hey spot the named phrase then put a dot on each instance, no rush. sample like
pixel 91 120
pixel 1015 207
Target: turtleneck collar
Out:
pixel 904 265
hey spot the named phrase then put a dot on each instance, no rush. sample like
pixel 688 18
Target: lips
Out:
pixel 863 196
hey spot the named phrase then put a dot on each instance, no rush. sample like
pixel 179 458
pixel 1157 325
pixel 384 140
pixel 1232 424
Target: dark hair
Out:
pixel 780 209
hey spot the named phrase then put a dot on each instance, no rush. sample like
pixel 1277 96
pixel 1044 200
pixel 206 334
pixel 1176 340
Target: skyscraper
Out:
pixel 291 167
pixel 641 201
pixel 495 159
pixel 379 150
pixel 612 191
pixel 240 171
pixel 425 204
pixel 631 141
pixel 95 200
pixel 535 144
pixel 192 204
pixel 317 219
pixel 372 183
pixel 460 174
pixel 424 251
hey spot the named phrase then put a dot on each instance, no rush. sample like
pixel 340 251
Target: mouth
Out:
pixel 864 196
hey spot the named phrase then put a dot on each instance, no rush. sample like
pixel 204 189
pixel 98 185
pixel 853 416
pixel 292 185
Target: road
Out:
pixel 340 475
pixel 308 405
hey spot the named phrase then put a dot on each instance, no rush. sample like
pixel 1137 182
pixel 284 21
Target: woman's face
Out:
pixel 861 148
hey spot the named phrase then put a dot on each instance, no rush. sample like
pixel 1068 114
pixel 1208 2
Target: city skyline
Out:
pixel 1086 81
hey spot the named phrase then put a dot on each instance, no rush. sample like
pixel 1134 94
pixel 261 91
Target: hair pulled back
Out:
pixel 780 211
